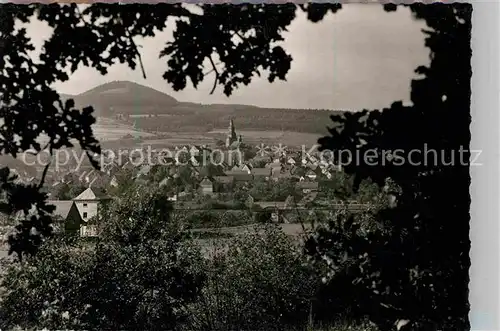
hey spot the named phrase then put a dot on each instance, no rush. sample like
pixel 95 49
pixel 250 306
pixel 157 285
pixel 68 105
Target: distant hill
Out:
pixel 125 98
pixel 152 110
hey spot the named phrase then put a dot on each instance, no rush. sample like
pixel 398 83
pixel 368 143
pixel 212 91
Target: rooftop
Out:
pixel 62 207
pixel 90 194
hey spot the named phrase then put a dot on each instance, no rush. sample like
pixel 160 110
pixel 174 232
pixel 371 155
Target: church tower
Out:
pixel 231 134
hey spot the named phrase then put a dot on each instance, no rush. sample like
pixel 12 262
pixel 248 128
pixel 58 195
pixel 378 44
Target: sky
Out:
pixel 359 58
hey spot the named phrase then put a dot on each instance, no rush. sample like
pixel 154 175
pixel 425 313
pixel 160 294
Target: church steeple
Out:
pixel 231 134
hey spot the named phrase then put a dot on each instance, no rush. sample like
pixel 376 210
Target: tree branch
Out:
pixel 136 51
pixel 44 174
pixel 46 169
pixel 236 33
pixel 214 68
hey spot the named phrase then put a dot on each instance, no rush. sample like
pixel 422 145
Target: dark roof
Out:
pixel 91 193
pixel 62 207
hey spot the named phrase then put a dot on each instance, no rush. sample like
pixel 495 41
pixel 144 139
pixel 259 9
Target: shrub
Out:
pixel 261 281
pixel 139 276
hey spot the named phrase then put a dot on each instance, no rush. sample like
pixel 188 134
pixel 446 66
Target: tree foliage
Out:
pixel 140 275
pixel 257 281
pixel 417 269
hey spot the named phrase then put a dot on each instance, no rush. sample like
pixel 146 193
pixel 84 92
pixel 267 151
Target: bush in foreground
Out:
pixel 260 281
pixel 140 276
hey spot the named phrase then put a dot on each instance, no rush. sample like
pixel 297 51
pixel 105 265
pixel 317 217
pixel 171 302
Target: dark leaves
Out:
pixel 317 11
pixel 427 232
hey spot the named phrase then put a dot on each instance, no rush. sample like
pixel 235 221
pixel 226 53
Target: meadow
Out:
pixel 112 132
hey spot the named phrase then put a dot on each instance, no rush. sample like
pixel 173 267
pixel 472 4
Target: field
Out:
pixel 107 129
pixel 111 133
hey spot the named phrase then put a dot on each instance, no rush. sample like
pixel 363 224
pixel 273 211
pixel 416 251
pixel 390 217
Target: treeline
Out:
pixel 252 118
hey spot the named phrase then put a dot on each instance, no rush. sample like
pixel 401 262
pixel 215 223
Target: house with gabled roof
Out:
pixel 66 216
pixel 246 167
pixel 113 182
pixel 207 187
pixel 291 161
pixel 67 212
pixel 194 150
pixel 88 203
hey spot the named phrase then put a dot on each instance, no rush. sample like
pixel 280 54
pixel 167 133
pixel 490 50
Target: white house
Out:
pixel 87 204
pixel 113 182
pixel 246 167
pixel 194 151
pixel 207 186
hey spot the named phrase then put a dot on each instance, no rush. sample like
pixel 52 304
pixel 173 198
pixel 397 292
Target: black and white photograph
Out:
pixel 235 167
